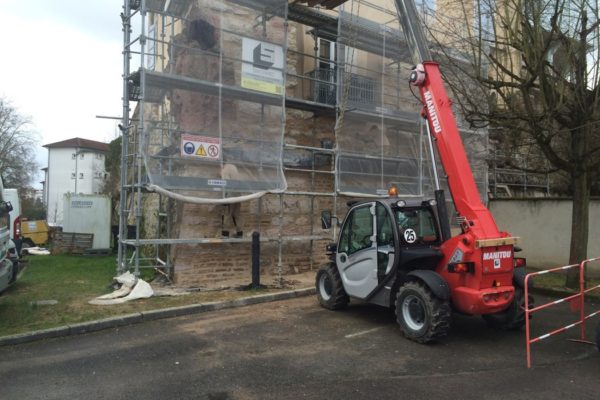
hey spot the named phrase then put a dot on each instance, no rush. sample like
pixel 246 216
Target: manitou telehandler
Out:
pixel 399 253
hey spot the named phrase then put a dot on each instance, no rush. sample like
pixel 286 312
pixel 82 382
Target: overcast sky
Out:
pixel 61 66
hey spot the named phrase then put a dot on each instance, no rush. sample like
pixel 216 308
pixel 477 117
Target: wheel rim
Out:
pixel 413 311
pixel 325 287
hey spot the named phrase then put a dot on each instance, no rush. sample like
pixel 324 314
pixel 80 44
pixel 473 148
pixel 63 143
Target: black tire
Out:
pixel 15 271
pixel 422 317
pixel 513 318
pixel 27 243
pixel 330 290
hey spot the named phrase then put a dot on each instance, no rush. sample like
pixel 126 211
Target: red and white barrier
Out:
pixel 577 299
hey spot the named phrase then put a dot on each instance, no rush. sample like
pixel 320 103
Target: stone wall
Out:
pixel 287 217
pixel 226 264
pixel 544 226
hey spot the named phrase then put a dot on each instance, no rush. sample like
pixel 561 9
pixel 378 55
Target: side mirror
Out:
pixel 326 219
pixel 5 207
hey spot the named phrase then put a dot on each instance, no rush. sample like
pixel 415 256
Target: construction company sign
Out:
pixel 262 66
pixel 497 255
pixel 498 259
pixel 435 121
pixel 203 147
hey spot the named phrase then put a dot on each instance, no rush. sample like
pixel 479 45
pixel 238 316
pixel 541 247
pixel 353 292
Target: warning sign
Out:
pixel 204 147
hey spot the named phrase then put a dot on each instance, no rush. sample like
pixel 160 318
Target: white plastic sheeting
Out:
pixel 380 134
pixel 212 99
pixel 213 87
pixel 132 288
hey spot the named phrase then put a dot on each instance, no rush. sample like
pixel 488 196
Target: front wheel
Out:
pixel 513 318
pixel 330 289
pixel 422 317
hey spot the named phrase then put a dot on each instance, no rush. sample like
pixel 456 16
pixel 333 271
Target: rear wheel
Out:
pixel 422 317
pixel 330 290
pixel 15 271
pixel 513 318
pixel 27 243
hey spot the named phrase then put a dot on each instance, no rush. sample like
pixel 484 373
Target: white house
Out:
pixel 74 166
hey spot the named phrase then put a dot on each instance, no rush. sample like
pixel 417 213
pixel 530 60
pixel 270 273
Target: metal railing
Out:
pixel 577 304
pixel 362 90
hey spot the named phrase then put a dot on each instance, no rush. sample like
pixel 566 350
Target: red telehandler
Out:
pixel 399 253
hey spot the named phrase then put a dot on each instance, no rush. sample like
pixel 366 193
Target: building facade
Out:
pixel 74 166
pixel 256 116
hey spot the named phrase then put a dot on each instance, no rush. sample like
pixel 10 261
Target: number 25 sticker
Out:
pixel 410 236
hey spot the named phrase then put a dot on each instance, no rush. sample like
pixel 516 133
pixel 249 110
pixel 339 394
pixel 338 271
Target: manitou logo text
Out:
pixel 496 255
pixel 432 113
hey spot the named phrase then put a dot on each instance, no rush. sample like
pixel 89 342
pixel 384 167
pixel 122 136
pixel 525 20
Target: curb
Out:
pixel 152 315
pixel 144 316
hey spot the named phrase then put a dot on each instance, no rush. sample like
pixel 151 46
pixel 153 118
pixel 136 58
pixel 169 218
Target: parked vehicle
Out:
pixel 34 233
pixel 400 253
pixel 8 269
pixel 12 196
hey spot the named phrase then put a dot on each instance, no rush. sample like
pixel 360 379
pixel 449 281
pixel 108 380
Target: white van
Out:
pixel 12 196
pixel 8 269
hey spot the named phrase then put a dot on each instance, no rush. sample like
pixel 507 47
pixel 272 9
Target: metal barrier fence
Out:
pixel 577 304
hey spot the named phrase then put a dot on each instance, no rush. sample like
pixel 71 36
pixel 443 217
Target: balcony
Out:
pixel 361 90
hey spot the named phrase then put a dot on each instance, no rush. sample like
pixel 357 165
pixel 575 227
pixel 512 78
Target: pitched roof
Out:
pixel 80 144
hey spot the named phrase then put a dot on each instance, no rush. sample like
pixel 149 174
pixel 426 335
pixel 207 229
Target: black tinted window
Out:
pixel 357 231
pixel 419 220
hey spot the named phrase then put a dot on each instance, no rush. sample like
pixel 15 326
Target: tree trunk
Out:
pixel 579 225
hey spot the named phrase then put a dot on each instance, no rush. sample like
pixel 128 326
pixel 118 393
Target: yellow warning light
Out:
pixel 393 191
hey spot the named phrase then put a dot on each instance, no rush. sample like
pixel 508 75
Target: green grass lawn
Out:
pixel 73 281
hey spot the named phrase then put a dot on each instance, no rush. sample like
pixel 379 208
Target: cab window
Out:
pixel 419 220
pixel 357 231
pixel 385 234
pixel 5 208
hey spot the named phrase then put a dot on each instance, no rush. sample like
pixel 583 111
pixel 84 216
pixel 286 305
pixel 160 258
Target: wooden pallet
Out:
pixel 71 243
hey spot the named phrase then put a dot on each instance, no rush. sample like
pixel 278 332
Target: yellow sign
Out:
pixel 261 86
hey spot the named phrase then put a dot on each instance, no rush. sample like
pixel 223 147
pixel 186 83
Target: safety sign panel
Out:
pixel 203 147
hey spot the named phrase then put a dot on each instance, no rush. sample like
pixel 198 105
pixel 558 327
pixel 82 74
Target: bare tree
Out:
pixel 17 147
pixel 528 70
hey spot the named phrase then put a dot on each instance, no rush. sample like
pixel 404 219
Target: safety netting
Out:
pixel 212 98
pixel 382 140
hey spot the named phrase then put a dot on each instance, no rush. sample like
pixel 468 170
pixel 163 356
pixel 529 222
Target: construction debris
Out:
pixel 37 251
pixel 132 288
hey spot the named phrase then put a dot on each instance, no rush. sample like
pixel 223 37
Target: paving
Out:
pixel 294 349
pixel 145 316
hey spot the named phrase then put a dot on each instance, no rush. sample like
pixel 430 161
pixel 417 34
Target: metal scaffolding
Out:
pixel 213 82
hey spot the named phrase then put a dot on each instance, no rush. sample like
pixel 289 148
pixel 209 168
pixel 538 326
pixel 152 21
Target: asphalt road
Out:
pixel 296 350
